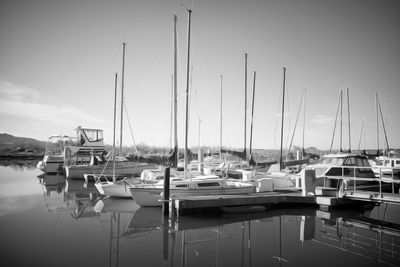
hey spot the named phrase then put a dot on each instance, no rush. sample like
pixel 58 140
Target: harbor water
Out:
pixel 47 220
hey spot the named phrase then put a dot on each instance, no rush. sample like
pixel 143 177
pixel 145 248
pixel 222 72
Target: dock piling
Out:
pixel 166 191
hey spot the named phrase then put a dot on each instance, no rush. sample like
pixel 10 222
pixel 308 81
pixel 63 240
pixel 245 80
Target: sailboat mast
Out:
pixel 283 115
pixel 115 117
pixel 377 120
pixel 171 115
pixel 175 96
pixel 304 121
pixel 252 112
pixel 220 124
pixel 348 116
pixel 122 97
pixel 341 119
pixel 245 102
pixel 187 94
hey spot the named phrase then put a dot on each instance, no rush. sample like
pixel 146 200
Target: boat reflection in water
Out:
pixel 283 236
pixel 62 194
pixel 20 164
pixel 255 239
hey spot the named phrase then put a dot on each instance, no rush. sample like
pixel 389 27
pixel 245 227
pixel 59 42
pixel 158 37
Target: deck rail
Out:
pixel 348 174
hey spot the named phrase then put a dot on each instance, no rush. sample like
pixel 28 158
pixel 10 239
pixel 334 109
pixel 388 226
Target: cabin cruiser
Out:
pixel 388 166
pixel 340 165
pixel 91 157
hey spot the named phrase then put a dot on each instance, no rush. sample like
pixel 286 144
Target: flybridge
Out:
pixel 89 137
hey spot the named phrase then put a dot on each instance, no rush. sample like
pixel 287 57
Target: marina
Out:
pixel 118 232
pixel 199 133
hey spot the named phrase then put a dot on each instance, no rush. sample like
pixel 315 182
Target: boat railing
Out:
pixel 349 173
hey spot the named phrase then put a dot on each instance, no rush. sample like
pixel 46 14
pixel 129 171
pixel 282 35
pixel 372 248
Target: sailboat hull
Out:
pixel 121 169
pixel 152 196
pixel 118 188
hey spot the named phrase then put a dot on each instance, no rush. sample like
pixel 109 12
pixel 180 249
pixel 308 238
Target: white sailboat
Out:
pixel 150 195
pixel 114 187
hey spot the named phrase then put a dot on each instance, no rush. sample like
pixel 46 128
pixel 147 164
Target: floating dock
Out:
pixel 193 204
pixel 309 194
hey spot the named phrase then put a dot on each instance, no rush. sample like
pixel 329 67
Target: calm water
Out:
pixel 48 221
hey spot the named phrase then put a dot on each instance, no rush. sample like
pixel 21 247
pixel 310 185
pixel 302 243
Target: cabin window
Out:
pixel 181 185
pixel 397 162
pixel 208 184
pixel 334 161
pixel 93 135
pixel 366 163
pixel 350 162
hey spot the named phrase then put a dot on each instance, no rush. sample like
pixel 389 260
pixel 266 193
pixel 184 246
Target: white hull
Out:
pixel 121 169
pixel 116 189
pixel 152 196
pixel 119 205
pixel 51 164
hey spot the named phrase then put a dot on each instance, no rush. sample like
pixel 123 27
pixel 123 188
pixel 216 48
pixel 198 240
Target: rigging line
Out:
pixel 130 128
pixel 334 127
pixel 295 124
pixel 383 125
pixel 365 130
pixel 361 134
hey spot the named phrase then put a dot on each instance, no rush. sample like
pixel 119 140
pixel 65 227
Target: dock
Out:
pixel 193 204
pixel 325 198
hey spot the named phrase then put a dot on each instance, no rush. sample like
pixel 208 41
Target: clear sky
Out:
pixel 58 58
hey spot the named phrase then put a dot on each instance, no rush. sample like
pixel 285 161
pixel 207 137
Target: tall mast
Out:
pixel 220 124
pixel 115 117
pixel 304 119
pixel 245 102
pixel 377 120
pixel 348 116
pixel 175 96
pixel 122 97
pixel 187 93
pixel 341 119
pixel 252 112
pixel 283 115
pixel 171 115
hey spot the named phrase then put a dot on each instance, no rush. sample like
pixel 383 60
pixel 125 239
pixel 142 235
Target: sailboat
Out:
pixel 118 188
pixel 150 195
pixel 272 180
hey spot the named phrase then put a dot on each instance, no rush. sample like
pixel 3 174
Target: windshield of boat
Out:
pixel 333 160
pixel 93 135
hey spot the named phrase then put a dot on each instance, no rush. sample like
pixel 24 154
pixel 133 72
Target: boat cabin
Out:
pixel 348 165
pixel 89 137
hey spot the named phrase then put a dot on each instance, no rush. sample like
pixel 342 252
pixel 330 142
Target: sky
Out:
pixel 58 59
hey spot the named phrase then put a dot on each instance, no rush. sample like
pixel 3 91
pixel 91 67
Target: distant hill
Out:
pixel 13 146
